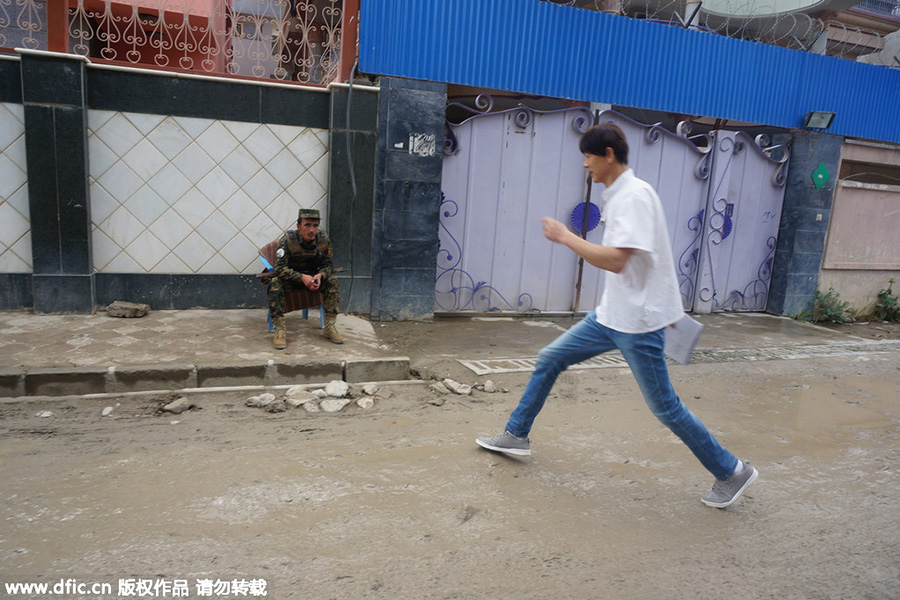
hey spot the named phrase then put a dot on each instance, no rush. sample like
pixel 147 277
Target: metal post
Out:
pixel 587 212
pixel 584 224
pixel 691 8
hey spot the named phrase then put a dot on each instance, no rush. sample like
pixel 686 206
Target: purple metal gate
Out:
pixel 504 170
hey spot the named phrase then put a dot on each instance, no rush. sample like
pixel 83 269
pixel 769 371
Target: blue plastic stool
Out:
pixel 304 312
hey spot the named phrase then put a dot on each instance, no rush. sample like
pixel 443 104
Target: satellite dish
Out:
pixel 755 9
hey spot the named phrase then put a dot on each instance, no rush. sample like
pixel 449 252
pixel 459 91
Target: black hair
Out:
pixel 600 137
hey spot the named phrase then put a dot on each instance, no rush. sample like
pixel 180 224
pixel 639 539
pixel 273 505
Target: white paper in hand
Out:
pixel 681 337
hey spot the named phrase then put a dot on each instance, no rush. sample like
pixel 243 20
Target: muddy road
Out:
pixel 397 502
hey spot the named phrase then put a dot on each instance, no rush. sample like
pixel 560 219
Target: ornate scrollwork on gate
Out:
pixel 582 122
pixel 522 117
pixel 689 261
pixel 755 294
pixel 702 169
pixel 760 145
pixel 654 133
pixel 459 286
pixel 701 144
pixel 721 225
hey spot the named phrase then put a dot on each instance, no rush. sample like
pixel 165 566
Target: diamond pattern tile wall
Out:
pixel 15 221
pixel 184 195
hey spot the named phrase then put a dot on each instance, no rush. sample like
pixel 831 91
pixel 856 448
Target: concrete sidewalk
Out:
pixel 53 355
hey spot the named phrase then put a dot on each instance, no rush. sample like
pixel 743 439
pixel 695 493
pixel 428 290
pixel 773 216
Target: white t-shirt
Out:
pixel 644 296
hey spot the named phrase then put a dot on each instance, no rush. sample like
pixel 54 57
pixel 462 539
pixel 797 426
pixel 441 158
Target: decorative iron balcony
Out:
pixel 299 41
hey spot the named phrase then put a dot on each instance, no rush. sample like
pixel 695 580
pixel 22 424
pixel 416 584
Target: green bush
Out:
pixel 828 308
pixel 887 308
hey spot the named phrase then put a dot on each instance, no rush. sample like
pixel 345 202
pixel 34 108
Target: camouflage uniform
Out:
pixel 295 256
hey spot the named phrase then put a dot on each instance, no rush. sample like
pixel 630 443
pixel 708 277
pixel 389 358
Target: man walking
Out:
pixel 640 300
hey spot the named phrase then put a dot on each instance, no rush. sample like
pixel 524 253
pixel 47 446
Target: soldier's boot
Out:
pixel 280 340
pixel 331 332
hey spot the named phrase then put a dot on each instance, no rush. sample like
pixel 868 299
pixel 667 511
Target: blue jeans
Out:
pixel 645 354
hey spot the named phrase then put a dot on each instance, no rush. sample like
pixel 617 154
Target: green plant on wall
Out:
pixel 829 308
pixel 887 308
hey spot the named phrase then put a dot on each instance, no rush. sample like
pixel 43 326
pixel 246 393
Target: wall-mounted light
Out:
pixel 818 120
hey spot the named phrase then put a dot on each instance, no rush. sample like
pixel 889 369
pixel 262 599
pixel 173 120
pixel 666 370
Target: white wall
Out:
pixel 186 195
pixel 15 222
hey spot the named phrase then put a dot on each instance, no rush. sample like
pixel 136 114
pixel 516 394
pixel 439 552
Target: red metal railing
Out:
pixel 302 41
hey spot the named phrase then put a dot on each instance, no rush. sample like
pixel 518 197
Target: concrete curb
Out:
pixel 75 381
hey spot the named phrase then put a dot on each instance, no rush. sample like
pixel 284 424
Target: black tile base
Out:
pixel 356 296
pixel 15 291
pixel 63 293
pixel 181 292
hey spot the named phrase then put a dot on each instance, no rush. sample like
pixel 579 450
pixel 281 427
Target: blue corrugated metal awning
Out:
pixel 547 49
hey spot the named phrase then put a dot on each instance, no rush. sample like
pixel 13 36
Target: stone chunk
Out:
pixel 337 388
pixel 334 405
pixel 365 402
pixel 300 399
pixel 298 396
pixel 261 401
pixel 439 388
pixel 458 388
pixel 127 310
pixel 178 406
pixel 276 407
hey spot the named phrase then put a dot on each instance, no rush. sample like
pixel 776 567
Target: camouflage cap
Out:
pixel 308 213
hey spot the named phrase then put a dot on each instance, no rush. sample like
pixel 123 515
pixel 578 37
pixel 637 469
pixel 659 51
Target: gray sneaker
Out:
pixel 726 492
pixel 506 443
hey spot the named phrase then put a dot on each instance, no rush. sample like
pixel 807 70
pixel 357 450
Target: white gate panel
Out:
pixel 514 232
pixel 741 225
pixel 555 181
pixel 506 171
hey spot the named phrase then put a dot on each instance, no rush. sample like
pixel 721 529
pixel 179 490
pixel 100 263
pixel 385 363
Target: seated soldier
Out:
pixel 304 259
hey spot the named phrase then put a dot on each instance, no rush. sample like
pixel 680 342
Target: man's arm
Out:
pixel 602 257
